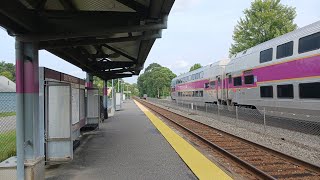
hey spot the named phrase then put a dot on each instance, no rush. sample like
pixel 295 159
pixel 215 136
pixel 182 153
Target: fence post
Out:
pixel 237 115
pixel 206 107
pixel 264 119
pixel 218 111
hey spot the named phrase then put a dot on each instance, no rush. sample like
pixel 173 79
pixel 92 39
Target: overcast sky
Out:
pixel 199 31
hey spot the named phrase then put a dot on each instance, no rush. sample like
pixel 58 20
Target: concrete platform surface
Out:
pixel 127 146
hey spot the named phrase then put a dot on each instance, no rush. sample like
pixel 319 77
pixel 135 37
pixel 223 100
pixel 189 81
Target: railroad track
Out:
pixel 258 160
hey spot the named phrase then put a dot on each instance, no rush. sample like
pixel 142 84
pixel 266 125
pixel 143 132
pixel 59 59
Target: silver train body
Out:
pixel 280 76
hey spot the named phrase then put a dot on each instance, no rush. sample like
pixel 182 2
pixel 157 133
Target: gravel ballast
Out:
pixel 299 145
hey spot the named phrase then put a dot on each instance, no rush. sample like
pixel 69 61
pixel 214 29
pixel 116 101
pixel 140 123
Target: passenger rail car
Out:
pixel 281 76
pixel 200 85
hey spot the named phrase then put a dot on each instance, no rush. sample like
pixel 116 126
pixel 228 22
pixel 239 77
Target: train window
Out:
pixel 206 85
pixel 285 50
pixel 266 91
pixel 230 79
pixel 309 43
pixel 212 84
pixel 266 55
pixel 309 90
pixel 285 91
pixel 249 79
pixel 237 81
pixel 200 93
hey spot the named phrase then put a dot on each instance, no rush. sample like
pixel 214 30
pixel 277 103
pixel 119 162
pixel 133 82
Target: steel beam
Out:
pixel 120 52
pixel 93 33
pixel 68 5
pixel 111 72
pixel 93 41
pixel 134 5
pixel 27 19
pixel 115 76
pixel 114 64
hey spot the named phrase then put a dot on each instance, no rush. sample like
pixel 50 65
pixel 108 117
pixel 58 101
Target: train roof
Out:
pixel 314 27
pixel 222 62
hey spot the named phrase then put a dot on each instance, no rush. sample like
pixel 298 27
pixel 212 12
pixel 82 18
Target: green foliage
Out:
pixel 131 87
pixel 7 74
pixel 264 20
pixel 6 114
pixel 8 145
pixel 195 66
pixel 8 70
pixel 151 66
pixel 155 81
pixel 98 83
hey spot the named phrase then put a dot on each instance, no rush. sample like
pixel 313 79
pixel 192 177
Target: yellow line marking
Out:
pixel 202 167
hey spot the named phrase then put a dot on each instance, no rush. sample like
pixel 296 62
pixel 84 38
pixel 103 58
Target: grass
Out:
pixel 5 114
pixel 8 145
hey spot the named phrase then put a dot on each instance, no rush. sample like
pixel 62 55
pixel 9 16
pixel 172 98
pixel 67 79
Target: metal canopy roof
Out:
pixel 108 38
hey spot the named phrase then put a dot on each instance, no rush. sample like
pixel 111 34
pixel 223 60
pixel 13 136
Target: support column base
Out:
pixel 34 170
pixel 105 113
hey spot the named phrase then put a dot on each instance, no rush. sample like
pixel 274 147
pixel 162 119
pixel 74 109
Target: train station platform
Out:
pixel 126 146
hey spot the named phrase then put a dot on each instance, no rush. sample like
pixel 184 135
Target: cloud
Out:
pixel 181 5
pixel 178 64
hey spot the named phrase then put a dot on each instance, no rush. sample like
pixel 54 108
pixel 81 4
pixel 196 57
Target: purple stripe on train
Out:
pixel 294 69
pixel 307 67
pixel 192 85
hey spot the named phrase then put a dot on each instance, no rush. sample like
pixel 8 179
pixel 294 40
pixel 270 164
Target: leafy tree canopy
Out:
pixel 264 20
pixel 8 70
pixel 195 66
pixel 7 74
pixel 151 66
pixel 155 81
pixel 98 83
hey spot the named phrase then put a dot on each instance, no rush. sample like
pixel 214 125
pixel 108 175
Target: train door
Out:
pixel 228 86
pixel 219 88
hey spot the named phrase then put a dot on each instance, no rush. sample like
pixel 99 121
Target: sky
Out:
pixel 199 31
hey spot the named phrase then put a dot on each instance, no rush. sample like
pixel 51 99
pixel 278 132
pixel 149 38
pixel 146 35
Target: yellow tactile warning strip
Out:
pixel 202 167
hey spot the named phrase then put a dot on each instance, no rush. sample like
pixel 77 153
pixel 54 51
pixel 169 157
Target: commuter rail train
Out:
pixel 281 76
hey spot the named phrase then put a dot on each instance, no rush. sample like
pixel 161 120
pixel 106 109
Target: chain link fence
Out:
pixel 259 121
pixel 7 126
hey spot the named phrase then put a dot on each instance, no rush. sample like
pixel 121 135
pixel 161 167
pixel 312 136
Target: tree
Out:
pixel 98 83
pixel 195 66
pixel 155 81
pixel 264 20
pixel 7 74
pixel 151 66
pixel 8 70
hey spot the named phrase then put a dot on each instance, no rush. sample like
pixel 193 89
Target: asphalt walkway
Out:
pixel 127 146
